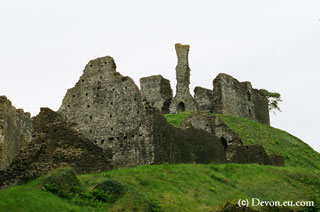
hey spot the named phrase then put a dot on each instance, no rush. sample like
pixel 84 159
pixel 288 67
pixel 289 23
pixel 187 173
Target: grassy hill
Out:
pixel 190 187
pixel 183 187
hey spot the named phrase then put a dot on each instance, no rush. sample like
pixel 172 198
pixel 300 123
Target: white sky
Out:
pixel 44 46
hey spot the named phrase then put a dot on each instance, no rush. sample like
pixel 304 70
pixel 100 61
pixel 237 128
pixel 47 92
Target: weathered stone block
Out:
pixel 240 99
pixel 249 154
pixel 276 160
pixel 204 98
pixel 15 131
pixel 157 91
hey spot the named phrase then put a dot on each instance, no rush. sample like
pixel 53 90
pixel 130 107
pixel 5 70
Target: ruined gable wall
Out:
pixel 15 131
pixel 157 91
pixel 108 109
pixel 240 99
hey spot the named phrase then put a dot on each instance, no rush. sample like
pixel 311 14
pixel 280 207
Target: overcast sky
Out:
pixel 275 44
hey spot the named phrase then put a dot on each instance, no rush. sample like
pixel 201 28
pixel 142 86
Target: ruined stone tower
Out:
pixel 232 97
pixel 183 101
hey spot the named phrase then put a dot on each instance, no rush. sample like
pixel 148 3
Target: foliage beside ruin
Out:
pixel 172 187
pixel 273 99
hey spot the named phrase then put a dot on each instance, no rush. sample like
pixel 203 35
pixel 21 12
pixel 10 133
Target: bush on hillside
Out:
pixel 62 182
pixel 109 191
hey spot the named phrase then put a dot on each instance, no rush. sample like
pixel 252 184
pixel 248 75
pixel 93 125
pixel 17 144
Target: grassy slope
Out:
pixel 184 187
pixel 295 151
pixel 193 187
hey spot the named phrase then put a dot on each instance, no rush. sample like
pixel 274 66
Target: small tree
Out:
pixel 273 99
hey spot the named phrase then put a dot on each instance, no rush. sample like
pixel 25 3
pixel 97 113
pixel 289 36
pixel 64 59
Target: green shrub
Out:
pixel 112 187
pixel 155 206
pixel 62 182
pixel 102 196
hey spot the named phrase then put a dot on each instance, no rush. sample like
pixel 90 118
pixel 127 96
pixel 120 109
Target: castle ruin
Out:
pixel 106 121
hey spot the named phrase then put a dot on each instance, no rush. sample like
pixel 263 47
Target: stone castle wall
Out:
pixel 15 131
pixel 232 97
pixel 204 98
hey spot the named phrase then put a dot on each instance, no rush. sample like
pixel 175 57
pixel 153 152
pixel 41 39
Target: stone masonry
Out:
pixel 15 131
pixel 232 97
pixel 157 91
pixel 107 109
pixel 183 101
pixel 204 97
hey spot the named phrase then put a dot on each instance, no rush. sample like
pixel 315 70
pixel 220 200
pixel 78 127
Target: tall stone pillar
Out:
pixel 183 101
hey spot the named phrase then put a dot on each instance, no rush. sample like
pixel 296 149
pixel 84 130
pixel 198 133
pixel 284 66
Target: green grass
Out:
pixel 176 119
pixel 184 187
pixel 275 141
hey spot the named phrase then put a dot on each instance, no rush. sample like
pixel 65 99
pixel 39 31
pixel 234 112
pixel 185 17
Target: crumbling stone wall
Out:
pixel 190 145
pixel 157 91
pixel 183 101
pixel 108 110
pixel 15 131
pixel 240 99
pixel 231 141
pixel 214 125
pixel 204 98
pixel 276 160
pixel 249 154
pixel 54 145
